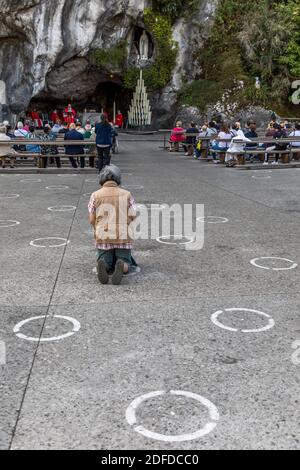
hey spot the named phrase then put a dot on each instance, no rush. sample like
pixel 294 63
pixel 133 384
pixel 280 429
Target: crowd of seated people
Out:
pixel 25 133
pixel 211 139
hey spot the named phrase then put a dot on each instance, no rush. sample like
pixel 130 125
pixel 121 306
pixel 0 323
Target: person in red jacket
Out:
pixel 35 116
pixel 69 114
pixel 119 120
pixel 54 116
pixel 177 136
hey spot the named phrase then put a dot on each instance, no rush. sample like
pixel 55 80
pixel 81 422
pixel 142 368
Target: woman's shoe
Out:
pixel 119 273
pixel 102 272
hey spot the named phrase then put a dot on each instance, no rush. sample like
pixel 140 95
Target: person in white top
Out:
pixel 237 145
pixel 296 133
pixel 5 149
pixel 20 132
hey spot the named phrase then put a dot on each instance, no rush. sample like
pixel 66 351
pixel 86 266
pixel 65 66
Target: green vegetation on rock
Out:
pixel 112 58
pixel 249 39
pixel 175 8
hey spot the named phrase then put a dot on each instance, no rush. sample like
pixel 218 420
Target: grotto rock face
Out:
pixel 45 44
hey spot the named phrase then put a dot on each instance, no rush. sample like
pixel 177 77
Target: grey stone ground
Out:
pixel 154 333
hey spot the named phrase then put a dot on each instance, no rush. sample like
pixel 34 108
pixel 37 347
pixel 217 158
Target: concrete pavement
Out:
pixel 154 333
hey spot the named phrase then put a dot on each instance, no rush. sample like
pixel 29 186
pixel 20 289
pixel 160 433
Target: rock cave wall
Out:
pixel 45 44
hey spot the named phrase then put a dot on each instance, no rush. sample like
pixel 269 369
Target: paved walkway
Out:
pixel 157 332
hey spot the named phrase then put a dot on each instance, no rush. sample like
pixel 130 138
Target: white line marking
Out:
pixel 62 208
pixel 9 223
pixel 57 187
pixel 37 245
pixel 213 413
pixel 9 196
pixel 261 177
pixel 254 262
pixel 215 320
pixel 2 353
pixel 210 219
pixel 175 237
pixel 30 181
pixel 75 323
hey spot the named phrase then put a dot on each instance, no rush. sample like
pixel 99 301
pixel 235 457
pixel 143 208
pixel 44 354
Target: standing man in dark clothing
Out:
pixel 104 133
pixel 75 149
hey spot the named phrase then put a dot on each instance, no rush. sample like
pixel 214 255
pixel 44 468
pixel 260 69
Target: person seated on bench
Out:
pixel 112 210
pixel 177 136
pixel 280 133
pixel 252 134
pixel 190 141
pixel 72 150
pixel 222 146
pixel 202 145
pixel 296 133
pixel 237 147
pixel 5 150
pixel 50 150
pixel 33 148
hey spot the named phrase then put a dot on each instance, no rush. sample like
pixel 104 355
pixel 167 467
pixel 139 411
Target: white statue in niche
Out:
pixel 2 92
pixel 144 46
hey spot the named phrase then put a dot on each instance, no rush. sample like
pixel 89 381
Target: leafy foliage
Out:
pixel 114 57
pixel 291 57
pixel 200 92
pixel 175 8
pixel 254 38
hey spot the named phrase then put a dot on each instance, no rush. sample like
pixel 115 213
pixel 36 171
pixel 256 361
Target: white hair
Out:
pixel 20 125
pixel 2 129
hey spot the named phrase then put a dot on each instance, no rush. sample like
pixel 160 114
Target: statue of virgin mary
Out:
pixel 144 46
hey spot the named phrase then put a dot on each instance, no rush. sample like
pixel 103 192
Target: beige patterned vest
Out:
pixel 112 215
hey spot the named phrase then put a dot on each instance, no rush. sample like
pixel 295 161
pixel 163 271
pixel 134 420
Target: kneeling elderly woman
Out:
pixel 112 210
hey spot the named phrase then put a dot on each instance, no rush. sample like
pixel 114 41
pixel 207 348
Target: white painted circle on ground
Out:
pixel 211 219
pixel 263 169
pixel 9 223
pixel 137 271
pixel 215 320
pixel 87 195
pixel 255 263
pixel 36 243
pixel 263 177
pixel 75 323
pixel 209 427
pixel 57 187
pixel 134 186
pixel 62 209
pixel 68 175
pixel 166 240
pixel 30 181
pixel 9 196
